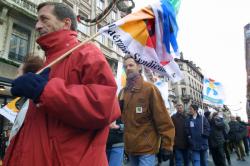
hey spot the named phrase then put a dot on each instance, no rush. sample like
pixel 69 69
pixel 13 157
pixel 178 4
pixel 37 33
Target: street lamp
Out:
pixel 125 6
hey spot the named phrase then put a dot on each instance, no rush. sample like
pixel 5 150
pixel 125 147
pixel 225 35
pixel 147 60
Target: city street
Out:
pixel 82 80
pixel 234 161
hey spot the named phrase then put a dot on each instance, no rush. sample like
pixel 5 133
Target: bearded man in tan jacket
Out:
pixel 148 126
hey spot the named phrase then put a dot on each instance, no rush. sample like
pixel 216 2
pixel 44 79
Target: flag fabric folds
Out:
pixel 149 36
pixel 10 111
pixel 163 88
pixel 176 4
pixel 213 92
pixel 120 78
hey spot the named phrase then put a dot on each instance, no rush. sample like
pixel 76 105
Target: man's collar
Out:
pixel 195 116
pixel 56 41
pixel 138 85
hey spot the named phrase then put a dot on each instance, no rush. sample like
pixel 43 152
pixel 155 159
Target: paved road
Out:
pixel 234 161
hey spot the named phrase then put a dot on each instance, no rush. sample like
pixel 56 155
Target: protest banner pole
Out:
pixel 14 101
pixel 202 120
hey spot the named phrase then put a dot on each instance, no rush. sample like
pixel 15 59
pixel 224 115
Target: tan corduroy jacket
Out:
pixel 146 120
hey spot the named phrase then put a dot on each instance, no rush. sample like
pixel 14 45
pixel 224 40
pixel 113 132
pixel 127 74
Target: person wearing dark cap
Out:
pixel 197 129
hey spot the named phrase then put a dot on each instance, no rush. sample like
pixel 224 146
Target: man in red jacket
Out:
pixel 71 105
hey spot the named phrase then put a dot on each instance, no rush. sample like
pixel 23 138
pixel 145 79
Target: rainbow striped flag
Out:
pixel 149 36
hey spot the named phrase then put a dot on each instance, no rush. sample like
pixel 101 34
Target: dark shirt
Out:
pixel 180 140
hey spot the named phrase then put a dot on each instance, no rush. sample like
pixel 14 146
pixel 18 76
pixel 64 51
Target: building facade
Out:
pixel 247 55
pixel 189 89
pixel 18 36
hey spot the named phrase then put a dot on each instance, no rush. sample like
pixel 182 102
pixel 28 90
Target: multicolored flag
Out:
pixel 120 77
pixel 176 4
pixel 213 92
pixel 149 36
pixel 163 88
pixel 10 110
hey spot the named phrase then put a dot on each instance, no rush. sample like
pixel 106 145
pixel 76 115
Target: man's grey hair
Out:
pixel 61 11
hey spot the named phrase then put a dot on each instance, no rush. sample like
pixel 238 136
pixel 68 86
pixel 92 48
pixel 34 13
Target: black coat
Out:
pixel 216 137
pixel 236 132
pixel 243 128
pixel 116 135
pixel 180 140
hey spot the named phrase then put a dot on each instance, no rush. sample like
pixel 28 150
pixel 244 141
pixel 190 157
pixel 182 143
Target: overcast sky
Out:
pixel 211 34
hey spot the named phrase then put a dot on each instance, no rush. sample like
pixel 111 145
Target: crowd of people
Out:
pixel 146 120
pixel 197 136
pixel 73 115
pixel 219 137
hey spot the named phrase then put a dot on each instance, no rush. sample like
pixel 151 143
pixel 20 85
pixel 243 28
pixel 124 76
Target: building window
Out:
pixel 183 91
pixel 19 43
pixel 110 43
pixel 81 27
pixel 113 16
pixel 113 64
pixel 68 3
pixel 180 66
pixel 101 39
pixel 100 4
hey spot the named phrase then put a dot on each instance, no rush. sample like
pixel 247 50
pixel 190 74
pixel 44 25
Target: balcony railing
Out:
pixel 24 4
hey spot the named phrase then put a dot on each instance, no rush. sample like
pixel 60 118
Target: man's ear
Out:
pixel 67 23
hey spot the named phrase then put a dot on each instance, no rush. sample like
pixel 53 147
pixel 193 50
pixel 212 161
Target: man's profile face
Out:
pixel 47 22
pixel 131 66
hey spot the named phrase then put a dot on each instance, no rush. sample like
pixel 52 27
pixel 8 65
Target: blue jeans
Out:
pixel 142 160
pixel 199 158
pixel 181 156
pixel 115 156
